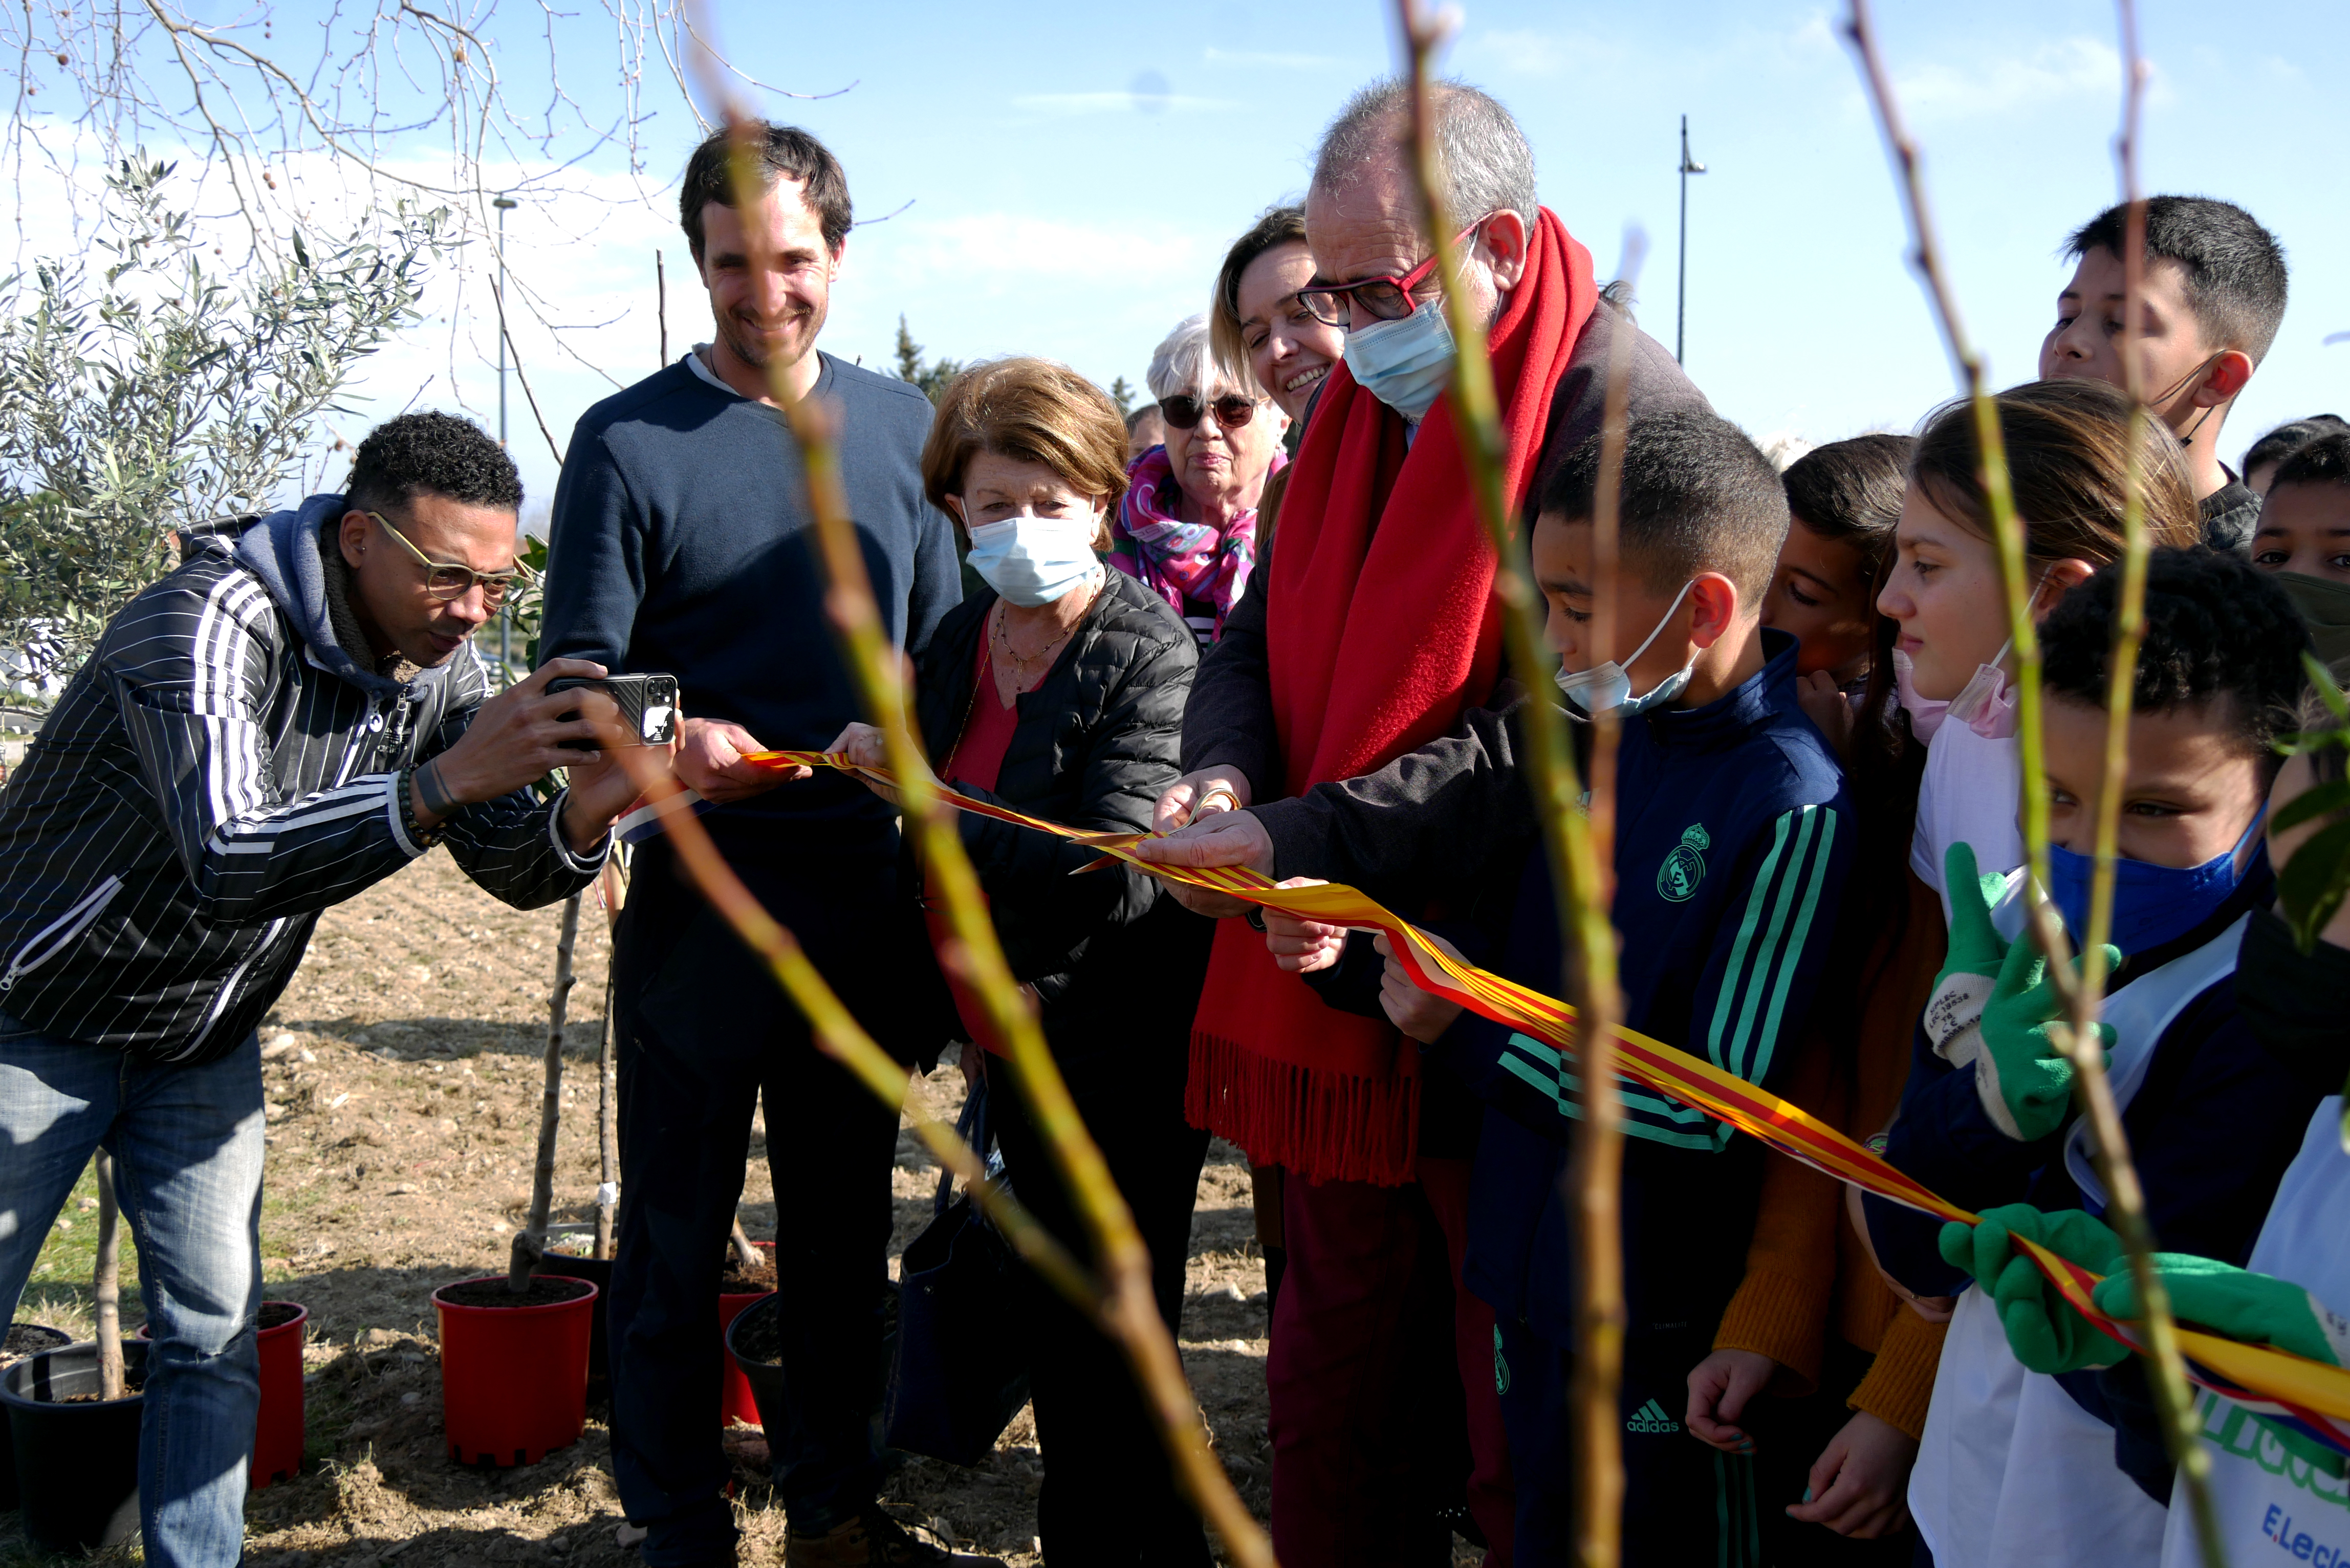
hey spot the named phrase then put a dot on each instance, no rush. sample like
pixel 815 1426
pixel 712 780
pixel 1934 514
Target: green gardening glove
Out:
pixel 2258 1309
pixel 2042 1329
pixel 1971 965
pixel 2236 1303
pixel 2025 1082
pixel 1976 946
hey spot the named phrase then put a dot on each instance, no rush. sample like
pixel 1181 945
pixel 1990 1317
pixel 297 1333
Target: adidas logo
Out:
pixel 1651 1418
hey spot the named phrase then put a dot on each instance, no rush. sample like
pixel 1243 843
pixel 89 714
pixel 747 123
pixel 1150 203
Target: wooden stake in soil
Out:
pixel 607 1078
pixel 744 1253
pixel 106 1282
pixel 530 1245
pixel 607 1139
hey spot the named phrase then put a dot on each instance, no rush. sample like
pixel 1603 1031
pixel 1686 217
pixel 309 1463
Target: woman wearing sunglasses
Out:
pixel 1188 525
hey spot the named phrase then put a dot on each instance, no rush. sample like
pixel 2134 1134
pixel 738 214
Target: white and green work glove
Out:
pixel 2257 1309
pixel 1992 1007
pixel 2022 1077
pixel 2042 1329
pixel 1970 965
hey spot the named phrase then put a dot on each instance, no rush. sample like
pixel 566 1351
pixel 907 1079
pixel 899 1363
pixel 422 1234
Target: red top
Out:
pixel 975 761
pixel 977 758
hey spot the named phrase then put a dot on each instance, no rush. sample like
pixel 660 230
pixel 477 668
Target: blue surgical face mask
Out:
pixel 1607 688
pixel 2152 904
pixel 1032 561
pixel 1406 363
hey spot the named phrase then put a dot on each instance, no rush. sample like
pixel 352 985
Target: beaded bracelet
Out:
pixel 416 830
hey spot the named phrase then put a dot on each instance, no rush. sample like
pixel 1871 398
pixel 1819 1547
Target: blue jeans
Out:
pixel 187 1148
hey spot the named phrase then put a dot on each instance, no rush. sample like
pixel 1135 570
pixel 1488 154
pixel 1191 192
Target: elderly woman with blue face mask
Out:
pixel 1059 691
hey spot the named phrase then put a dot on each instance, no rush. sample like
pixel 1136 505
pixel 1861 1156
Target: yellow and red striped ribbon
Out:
pixel 2308 1394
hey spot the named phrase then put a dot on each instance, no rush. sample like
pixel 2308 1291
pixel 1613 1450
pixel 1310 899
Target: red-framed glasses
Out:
pixel 1387 299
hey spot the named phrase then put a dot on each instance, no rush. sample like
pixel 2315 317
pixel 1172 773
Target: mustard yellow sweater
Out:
pixel 1807 1270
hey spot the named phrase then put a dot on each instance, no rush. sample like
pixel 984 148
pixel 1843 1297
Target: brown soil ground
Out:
pixel 404 1094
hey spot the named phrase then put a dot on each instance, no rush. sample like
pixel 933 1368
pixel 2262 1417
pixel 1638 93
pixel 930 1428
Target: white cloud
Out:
pixel 1275 61
pixel 1527 52
pixel 2068 69
pixel 995 250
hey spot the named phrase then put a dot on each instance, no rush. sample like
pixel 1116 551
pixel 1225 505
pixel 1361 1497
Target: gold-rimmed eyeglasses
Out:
pixel 448 580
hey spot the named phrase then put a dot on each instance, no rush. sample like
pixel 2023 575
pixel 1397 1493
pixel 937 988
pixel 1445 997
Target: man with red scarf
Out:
pixel 1352 723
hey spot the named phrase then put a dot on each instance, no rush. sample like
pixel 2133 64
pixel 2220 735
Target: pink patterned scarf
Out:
pixel 1177 560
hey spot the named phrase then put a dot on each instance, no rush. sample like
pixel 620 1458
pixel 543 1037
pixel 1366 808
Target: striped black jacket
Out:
pixel 218 773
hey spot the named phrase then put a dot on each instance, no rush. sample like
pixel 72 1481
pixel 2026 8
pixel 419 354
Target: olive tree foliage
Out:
pixel 140 390
pixel 287 115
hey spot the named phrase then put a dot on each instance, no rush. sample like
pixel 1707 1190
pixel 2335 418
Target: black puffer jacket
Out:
pixel 1096 746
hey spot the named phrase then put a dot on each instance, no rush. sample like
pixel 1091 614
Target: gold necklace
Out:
pixel 1020 666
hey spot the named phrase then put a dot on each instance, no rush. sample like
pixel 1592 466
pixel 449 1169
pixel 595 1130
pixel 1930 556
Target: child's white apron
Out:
pixel 2269 1501
pixel 2012 1473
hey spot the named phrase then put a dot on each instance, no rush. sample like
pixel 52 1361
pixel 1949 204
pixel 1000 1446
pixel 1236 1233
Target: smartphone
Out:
pixel 648 705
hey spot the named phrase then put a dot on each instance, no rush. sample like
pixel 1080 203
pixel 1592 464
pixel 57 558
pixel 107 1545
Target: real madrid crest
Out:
pixel 1684 868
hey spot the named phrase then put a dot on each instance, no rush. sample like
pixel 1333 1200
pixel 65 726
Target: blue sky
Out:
pixel 1075 172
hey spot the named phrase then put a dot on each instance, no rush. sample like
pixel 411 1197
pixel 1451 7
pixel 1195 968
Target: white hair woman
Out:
pixel 1187 527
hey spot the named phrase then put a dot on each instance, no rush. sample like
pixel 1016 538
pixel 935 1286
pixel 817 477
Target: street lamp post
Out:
pixel 505 204
pixel 1680 303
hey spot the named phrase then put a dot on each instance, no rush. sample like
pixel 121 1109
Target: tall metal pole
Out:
pixel 1680 301
pixel 504 205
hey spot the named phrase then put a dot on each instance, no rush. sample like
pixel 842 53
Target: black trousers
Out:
pixel 1685 1504
pixel 703 1031
pixel 1109 1495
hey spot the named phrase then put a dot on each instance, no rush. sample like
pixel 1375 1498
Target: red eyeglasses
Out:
pixel 1388 298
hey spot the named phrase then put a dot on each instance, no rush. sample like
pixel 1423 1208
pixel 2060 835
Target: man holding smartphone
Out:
pixel 289 717
pixel 682 543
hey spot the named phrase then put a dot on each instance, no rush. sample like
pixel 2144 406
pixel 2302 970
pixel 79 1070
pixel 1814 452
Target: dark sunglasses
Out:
pixel 1185 411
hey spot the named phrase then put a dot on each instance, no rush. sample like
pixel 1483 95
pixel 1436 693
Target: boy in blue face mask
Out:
pixel 2273 1486
pixel 1734 837
pixel 2021 1467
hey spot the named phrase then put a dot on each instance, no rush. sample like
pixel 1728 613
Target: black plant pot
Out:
pixel 765 1377
pixel 77 1464
pixel 24 1339
pixel 596 1272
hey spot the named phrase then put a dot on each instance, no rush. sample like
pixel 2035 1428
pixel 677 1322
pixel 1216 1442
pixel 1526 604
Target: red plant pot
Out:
pixel 514 1380
pixel 277 1425
pixel 736 1401
pixel 277 1431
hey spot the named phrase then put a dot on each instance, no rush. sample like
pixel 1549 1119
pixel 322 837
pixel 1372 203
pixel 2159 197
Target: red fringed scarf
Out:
pixel 1383 630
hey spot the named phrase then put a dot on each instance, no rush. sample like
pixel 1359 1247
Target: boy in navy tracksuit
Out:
pixel 2036 1467
pixel 1733 835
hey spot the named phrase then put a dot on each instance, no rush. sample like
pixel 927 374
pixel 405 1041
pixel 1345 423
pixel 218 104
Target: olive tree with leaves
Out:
pixel 140 392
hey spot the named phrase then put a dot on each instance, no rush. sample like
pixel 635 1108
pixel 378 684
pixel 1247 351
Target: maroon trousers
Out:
pixel 1379 1359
